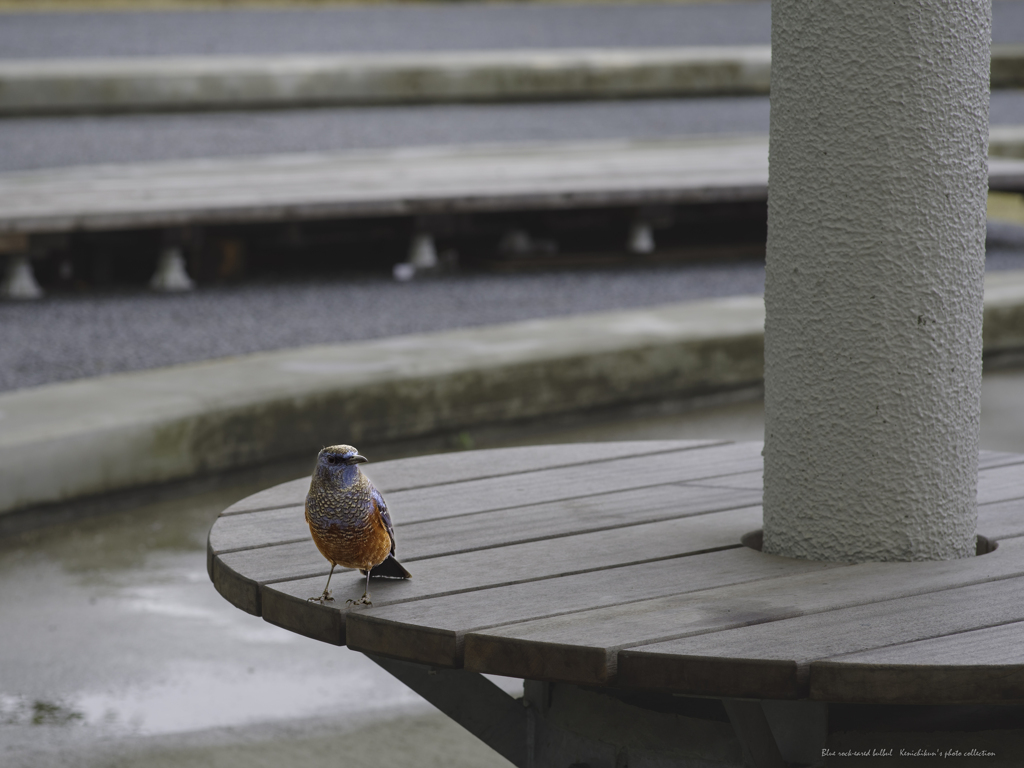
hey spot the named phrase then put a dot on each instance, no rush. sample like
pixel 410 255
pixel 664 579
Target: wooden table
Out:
pixel 617 569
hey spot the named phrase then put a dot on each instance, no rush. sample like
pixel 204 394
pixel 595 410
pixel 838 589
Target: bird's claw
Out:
pixel 364 600
pixel 326 596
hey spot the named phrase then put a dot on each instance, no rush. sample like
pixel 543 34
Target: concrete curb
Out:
pixel 69 441
pixel 1006 141
pixel 66 86
pixel 194 83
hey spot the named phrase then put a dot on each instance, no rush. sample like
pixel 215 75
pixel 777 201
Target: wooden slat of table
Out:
pixel 772 660
pixel 238 574
pixel 278 521
pixel 753 480
pixel 983 666
pixel 1000 483
pixel 547 649
pixel 300 559
pixel 438 469
pixel 504 490
pixel 987 459
pixel 495 527
pixel 545 485
pixel 431 631
pixel 284 603
pixel 1001 519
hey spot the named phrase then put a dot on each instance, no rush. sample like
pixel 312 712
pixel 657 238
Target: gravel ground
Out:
pixel 71 337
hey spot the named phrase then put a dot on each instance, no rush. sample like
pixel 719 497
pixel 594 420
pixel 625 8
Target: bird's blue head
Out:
pixel 339 463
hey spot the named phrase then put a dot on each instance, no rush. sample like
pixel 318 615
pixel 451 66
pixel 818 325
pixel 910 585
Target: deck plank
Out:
pixel 283 603
pixel 240 573
pixel 385 182
pixel 549 649
pixel 431 631
pixel 983 666
pixel 499 527
pixel 773 660
pixel 398 182
pixel 1001 519
pixel 438 469
pixel 1000 483
pixel 987 459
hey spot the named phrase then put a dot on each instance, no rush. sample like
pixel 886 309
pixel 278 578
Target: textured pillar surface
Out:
pixel 873 295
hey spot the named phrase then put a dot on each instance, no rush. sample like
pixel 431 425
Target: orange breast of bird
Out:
pixel 347 527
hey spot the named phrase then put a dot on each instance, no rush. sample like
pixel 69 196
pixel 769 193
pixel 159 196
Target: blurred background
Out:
pixel 114 648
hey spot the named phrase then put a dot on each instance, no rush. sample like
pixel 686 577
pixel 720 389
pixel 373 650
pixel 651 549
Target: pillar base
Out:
pixel 19 282
pixel 641 238
pixel 171 275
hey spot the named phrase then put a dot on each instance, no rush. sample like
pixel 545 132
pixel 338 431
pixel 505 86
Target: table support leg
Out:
pixel 588 728
pixel 752 729
pixel 800 728
pixel 471 700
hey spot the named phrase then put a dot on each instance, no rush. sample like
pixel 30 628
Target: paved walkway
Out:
pixel 37 142
pixel 398 27
pixel 406 27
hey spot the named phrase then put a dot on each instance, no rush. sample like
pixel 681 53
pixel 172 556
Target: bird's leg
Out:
pixel 326 595
pixel 365 599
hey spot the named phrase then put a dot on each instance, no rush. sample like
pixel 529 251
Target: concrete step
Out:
pixel 63 442
pixel 192 83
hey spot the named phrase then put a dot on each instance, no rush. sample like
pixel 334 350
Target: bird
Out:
pixel 349 520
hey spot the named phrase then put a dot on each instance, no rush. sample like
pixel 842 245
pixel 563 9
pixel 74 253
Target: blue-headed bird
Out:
pixel 349 520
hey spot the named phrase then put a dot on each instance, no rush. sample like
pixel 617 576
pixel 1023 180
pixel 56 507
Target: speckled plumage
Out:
pixel 349 520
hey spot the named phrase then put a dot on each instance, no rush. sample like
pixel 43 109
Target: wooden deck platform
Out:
pixel 439 180
pixel 621 565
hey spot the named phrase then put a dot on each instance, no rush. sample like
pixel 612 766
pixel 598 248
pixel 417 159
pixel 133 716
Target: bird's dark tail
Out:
pixel 389 569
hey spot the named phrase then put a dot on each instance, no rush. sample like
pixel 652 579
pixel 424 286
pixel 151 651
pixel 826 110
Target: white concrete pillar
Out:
pixel 873 294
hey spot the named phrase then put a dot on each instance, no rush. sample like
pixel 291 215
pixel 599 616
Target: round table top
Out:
pixel 621 564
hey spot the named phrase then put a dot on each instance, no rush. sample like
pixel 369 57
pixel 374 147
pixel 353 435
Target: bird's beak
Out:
pixel 357 459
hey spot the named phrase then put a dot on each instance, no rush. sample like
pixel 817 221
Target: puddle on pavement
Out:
pixel 112 624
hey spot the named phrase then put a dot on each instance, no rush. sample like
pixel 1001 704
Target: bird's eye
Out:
pixel 331 460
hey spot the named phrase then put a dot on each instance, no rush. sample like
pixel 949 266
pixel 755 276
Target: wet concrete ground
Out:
pixel 116 651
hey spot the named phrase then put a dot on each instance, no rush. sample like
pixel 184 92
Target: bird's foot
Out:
pixel 364 600
pixel 325 597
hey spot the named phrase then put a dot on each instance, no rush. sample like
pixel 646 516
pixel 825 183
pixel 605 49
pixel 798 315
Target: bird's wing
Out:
pixel 382 508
